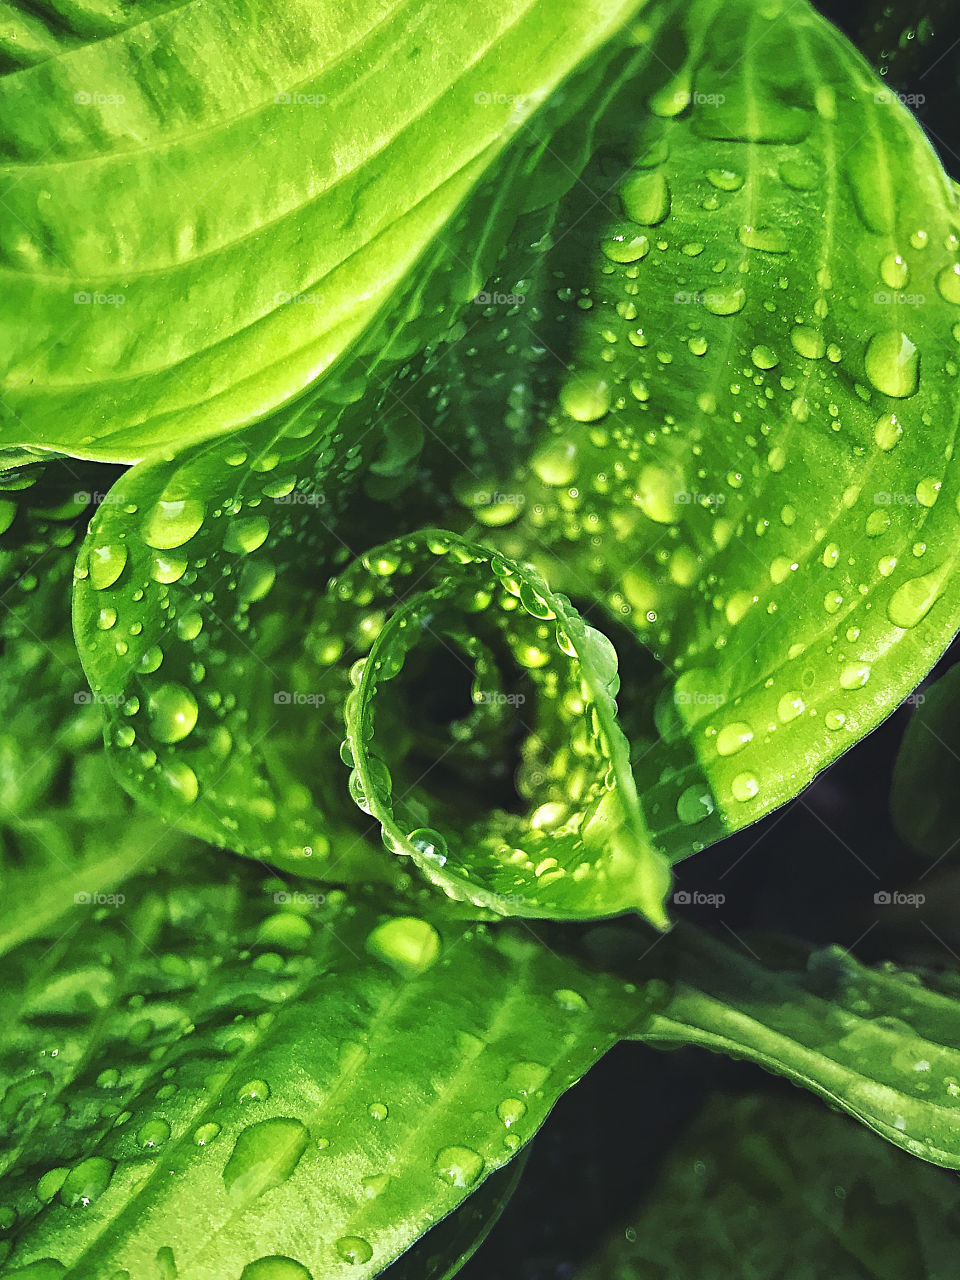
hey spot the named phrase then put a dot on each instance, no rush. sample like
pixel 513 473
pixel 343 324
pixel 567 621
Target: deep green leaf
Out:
pixel 268 1045
pixel 776 1189
pixel 882 1044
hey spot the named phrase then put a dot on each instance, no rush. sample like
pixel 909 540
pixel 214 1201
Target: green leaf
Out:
pixel 206 205
pixel 449 1246
pixel 579 847
pixel 724 412
pixel 56 787
pixel 694 437
pixel 880 1043
pixel 773 1187
pixel 267 1045
pixel 924 788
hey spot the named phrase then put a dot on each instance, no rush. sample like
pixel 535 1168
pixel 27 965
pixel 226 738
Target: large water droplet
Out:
pixel 153 1134
pixel 887 431
pixel 172 523
pixel 264 1156
pixel 744 787
pixel 407 943
pixel 86 1181
pixel 585 398
pixel 106 564
pixel 646 198
pixel 912 601
pixel 695 804
pixel 733 738
pixel 948 284
pixel 892 363
pixel 275 1267
pixel 173 712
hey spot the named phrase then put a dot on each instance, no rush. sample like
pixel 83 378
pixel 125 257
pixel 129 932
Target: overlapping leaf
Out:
pixel 773 1187
pixel 204 205
pixel 705 403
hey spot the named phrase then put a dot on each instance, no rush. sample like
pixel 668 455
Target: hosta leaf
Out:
pixel 717 436
pixel 772 1187
pixel 882 1044
pixel 725 406
pixel 579 847
pixel 205 206
pixel 924 788
pixel 449 1246
pixel 56 786
pixel 324 1079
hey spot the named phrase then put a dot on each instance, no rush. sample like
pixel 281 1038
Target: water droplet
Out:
pixel 912 601
pixel 173 712
pixel 733 738
pixel 835 720
pixel 106 564
pixel 892 364
pixel 694 804
pixel 928 490
pixel 264 1156
pixel 887 431
pixel 460 1166
pixel 275 1267
pixel 725 302
pixel 172 523
pixel 894 271
pixel 948 284
pixel 354 1249
pixel 570 1001
pixel 625 246
pixel 764 358
pixel 167 569
pixel 253 1091
pixel 153 1134
pixel 430 843
pixel 656 495
pixel 789 707
pixel 854 676
pixel 204 1134
pixel 86 1181
pixel 407 943
pixel 585 398
pixel 378 1111
pixel 725 179
pixel 511 1110
pixel 646 198
pixel 245 536
pixel 768 239
pixel 556 462
pixel 807 342
pixel 831 554
pixel 744 787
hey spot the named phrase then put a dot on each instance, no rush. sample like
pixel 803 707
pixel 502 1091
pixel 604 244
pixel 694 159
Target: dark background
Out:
pixel 797 872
